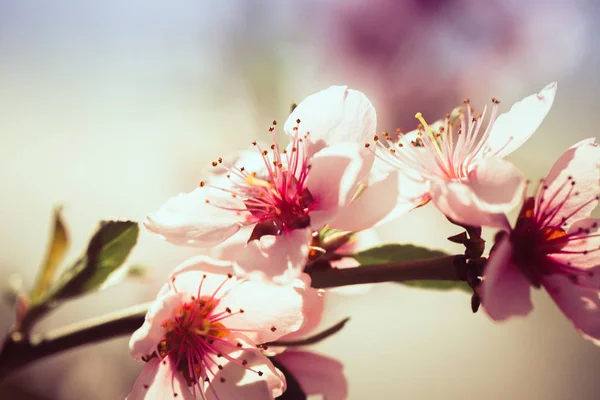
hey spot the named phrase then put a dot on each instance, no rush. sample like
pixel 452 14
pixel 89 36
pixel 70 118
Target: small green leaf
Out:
pixel 57 250
pixel 408 252
pixel 107 251
pixel 439 285
pixel 395 253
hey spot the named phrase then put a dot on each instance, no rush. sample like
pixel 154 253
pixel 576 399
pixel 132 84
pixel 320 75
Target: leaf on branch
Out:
pixel 107 251
pixel 59 244
pixel 408 252
pixel 395 253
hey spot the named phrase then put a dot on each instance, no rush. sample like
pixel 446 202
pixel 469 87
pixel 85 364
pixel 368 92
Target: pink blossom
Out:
pixel 201 334
pixel 458 164
pixel 284 195
pixel 554 244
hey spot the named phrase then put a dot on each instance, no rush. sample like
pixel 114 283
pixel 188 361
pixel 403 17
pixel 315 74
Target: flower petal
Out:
pixel 573 184
pixel 280 258
pixel 498 185
pixel 159 380
pixel 513 128
pixel 474 202
pixel 317 375
pixel 189 221
pixel 583 248
pixel 269 310
pixel 334 115
pixel 581 305
pixel 505 290
pixel 335 175
pixel 372 205
pixel 235 381
pixel 144 340
pixel 312 307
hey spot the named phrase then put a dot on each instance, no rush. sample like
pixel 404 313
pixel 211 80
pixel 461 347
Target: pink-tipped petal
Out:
pixel 334 115
pixel 145 339
pixel 280 258
pixel 576 171
pixel 269 310
pixel 159 380
pixel 188 220
pixel 580 305
pixel 505 290
pixel 513 128
pixel 335 175
pixel 317 375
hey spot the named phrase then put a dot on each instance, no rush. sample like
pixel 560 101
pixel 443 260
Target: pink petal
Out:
pixel 189 221
pixel 580 305
pixel 158 381
pixel 585 252
pixel 269 310
pixel 202 270
pixel 498 185
pixel 581 163
pixel 513 128
pixel 144 340
pixel 237 382
pixel 317 375
pixel 281 258
pixel 479 201
pixel 372 205
pixel 312 308
pixel 335 175
pixel 332 116
pixel 505 290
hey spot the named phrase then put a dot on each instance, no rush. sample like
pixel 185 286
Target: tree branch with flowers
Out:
pixel 284 223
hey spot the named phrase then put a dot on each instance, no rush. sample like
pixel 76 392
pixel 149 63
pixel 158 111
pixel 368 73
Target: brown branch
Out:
pixel 441 268
pixel 19 350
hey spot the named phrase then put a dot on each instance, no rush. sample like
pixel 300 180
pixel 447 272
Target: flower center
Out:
pixel 445 150
pixel 540 233
pixel 190 335
pixel 276 198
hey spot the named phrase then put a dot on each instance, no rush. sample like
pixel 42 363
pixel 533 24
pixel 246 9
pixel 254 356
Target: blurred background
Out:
pixel 109 108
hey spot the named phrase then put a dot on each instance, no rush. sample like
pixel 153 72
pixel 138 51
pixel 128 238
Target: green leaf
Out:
pixel 396 253
pixel 408 252
pixel 57 250
pixel 107 251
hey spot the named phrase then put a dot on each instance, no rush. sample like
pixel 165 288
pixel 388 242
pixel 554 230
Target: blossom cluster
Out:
pixel 266 213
